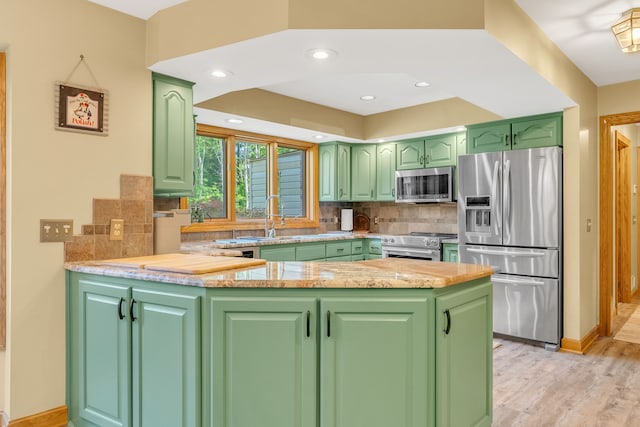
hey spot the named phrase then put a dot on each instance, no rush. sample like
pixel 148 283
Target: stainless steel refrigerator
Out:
pixel 510 217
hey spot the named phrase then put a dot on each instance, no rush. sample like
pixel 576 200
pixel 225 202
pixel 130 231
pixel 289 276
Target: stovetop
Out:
pixel 417 240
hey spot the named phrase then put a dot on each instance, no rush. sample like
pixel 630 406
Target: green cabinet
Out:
pixel 450 252
pixel 464 357
pixel 335 172
pixel 431 152
pixel 374 362
pixel 374 249
pixel 278 252
pixel 525 132
pixel 363 172
pixel 173 137
pixel 263 361
pixel 385 172
pixel 310 251
pixel 134 354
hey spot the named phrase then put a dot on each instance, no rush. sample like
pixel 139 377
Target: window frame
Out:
pixel 230 222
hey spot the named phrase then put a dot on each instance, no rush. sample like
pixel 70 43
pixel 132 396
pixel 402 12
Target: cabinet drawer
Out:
pixel 278 253
pixel 357 257
pixel 338 249
pixel 357 247
pixel 310 252
pixel 375 247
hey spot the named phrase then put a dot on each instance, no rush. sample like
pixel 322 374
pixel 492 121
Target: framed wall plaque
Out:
pixel 81 109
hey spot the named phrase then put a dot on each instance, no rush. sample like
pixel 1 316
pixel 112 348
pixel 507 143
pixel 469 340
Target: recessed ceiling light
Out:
pixel 460 128
pixel 321 54
pixel 382 140
pixel 422 84
pixel 221 74
pixel 319 137
pixel 367 97
pixel 235 121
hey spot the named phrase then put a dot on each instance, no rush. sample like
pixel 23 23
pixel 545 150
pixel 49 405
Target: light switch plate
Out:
pixel 56 230
pixel 116 231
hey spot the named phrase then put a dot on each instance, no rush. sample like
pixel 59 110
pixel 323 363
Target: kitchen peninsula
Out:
pixel 369 343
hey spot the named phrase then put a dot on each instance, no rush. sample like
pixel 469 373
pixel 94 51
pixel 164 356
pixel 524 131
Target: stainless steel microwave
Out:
pixel 429 185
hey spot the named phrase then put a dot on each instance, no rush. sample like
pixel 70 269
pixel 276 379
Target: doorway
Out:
pixel 623 219
pixel 608 234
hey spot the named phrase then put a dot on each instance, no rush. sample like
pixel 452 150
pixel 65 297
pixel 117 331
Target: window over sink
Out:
pixel 235 172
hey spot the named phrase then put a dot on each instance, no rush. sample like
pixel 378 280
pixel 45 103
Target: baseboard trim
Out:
pixel 580 346
pixel 56 417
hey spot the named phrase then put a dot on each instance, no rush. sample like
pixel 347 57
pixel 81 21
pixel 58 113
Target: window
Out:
pixel 237 172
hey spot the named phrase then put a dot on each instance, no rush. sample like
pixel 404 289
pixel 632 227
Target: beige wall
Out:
pixel 54 174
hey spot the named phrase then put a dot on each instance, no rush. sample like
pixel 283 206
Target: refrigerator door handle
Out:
pixel 506 179
pixel 495 252
pixel 517 282
pixel 494 200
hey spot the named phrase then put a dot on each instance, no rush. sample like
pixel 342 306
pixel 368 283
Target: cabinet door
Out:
pixel 101 358
pixel 464 356
pixel 386 172
pixel 173 137
pixel 375 362
pixel 410 155
pixel 363 172
pixel 343 172
pixel 278 252
pixel 328 162
pixel 461 149
pixel 494 137
pixel 542 132
pixel 440 150
pixel 264 362
pixel 450 252
pixel 165 359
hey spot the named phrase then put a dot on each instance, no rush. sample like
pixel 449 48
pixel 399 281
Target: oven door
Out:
pixel 411 253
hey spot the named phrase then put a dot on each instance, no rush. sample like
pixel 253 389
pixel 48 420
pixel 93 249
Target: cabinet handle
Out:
pixel 120 314
pixel 421 161
pixel 506 140
pixel 133 318
pixel 428 158
pixel 328 324
pixel 515 137
pixel 308 323
pixel 340 193
pixel 393 192
pixel 447 329
pixel 340 249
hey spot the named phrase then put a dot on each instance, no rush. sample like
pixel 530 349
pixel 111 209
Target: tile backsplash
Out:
pixel 135 207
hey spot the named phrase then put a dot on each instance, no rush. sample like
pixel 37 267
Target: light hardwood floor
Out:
pixel 535 387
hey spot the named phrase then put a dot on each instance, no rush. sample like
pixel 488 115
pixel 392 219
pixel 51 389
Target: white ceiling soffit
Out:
pixel 143 9
pixel 469 64
pixel 582 30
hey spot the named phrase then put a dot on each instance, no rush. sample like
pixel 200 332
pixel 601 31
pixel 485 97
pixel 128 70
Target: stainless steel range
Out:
pixel 416 245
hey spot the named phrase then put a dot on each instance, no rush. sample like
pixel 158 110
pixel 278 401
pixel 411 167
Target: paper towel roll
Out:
pixel 346 221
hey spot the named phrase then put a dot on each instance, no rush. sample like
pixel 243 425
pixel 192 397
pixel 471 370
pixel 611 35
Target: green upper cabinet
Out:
pixel 263 362
pixel 464 356
pixel 461 144
pixel 440 150
pixel 363 172
pixel 375 363
pixel 410 154
pixel 335 172
pixel 173 137
pixel 386 172
pixel 525 132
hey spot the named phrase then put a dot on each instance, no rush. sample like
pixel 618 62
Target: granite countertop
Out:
pixel 378 273
pixel 203 246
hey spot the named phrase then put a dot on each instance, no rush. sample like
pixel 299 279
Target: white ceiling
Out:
pixel 386 63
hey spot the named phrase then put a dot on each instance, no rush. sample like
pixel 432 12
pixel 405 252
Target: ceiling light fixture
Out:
pixel 235 121
pixel 221 74
pixel 627 31
pixel 319 136
pixel 321 54
pixel 367 98
pixel 422 84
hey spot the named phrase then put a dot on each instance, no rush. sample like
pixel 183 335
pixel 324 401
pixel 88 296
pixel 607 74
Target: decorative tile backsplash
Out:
pixel 135 207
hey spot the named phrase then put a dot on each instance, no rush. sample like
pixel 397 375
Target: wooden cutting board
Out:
pixel 185 263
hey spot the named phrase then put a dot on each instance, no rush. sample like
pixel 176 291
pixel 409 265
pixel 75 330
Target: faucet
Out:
pixel 270 230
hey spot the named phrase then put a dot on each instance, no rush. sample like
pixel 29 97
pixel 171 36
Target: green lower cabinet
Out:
pixel 263 362
pixel 375 362
pixel 464 357
pixel 134 355
pixel 278 252
pixel 450 252
pixel 374 249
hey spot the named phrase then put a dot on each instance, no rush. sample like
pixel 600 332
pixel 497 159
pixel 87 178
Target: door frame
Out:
pixel 623 219
pixel 606 212
pixel 3 201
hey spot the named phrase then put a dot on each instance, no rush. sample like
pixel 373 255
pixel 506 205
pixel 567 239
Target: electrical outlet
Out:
pixel 116 230
pixel 56 230
pixel 376 220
